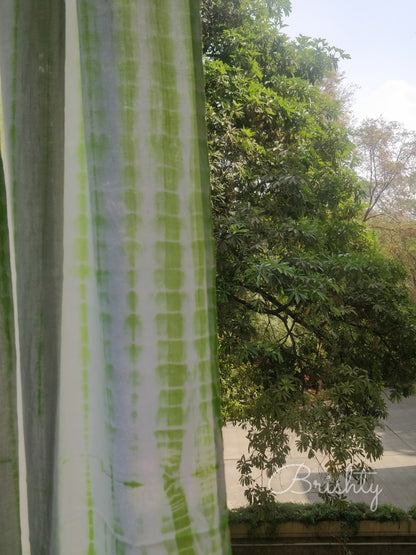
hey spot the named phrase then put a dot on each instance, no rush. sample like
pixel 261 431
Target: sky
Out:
pixel 380 37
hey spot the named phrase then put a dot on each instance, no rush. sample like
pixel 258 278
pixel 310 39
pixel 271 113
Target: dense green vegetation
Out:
pixel 275 513
pixel 315 324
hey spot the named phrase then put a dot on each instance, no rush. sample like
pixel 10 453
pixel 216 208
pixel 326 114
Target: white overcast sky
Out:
pixel 380 37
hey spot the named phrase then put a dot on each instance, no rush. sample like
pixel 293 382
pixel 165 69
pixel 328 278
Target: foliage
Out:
pixel 313 513
pixel 396 236
pixel 314 323
pixel 387 154
pixel 412 511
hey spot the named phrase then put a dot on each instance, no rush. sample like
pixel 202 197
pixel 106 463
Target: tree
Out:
pixel 314 323
pixel 396 235
pixel 387 154
pixel 342 92
pixel 107 312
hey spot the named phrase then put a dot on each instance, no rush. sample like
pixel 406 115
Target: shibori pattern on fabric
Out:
pixel 105 212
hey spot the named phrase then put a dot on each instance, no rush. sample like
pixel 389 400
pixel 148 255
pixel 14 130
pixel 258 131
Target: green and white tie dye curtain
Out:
pixel 109 431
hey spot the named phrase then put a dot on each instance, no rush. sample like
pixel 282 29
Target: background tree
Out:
pixel 387 165
pixel 314 324
pixel 396 235
pixel 106 282
pixel 387 155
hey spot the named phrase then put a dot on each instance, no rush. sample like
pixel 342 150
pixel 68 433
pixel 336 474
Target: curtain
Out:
pixel 110 434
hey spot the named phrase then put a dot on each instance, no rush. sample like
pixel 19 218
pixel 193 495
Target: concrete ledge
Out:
pixel 326 528
pixel 295 538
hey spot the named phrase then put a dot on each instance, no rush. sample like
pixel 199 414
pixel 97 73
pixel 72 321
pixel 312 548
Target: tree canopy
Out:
pixel 387 165
pixel 315 324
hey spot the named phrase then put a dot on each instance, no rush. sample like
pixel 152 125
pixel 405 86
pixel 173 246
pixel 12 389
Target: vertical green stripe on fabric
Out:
pixel 82 256
pixel 167 147
pixel 210 397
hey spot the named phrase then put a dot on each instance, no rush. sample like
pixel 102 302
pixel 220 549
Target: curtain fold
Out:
pixel 104 141
pixel 9 463
pixel 32 79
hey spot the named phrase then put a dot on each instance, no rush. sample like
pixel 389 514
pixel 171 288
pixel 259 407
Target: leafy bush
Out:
pixel 412 512
pixel 310 514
